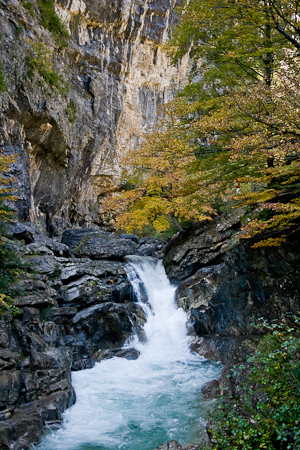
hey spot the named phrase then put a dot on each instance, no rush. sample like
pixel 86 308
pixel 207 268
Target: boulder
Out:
pixel 44 264
pixel 204 245
pixel 10 385
pixel 172 445
pixel 36 241
pixel 210 389
pixel 96 244
pixel 127 353
pixel 228 298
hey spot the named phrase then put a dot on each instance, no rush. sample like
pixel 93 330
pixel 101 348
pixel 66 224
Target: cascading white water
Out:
pixel 138 405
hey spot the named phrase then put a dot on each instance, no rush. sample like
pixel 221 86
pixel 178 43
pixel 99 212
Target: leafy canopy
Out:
pixel 236 122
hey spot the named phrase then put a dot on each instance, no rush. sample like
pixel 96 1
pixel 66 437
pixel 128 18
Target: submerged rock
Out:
pixel 174 445
pixel 127 353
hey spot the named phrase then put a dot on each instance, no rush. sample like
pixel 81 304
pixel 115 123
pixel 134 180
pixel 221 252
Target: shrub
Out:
pixel 2 80
pixel 29 6
pixel 51 21
pixel 265 411
pixel 39 59
pixel 71 111
pixel 19 30
pixel 6 303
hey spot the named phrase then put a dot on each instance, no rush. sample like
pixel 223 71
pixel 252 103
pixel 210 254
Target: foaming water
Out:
pixel 138 405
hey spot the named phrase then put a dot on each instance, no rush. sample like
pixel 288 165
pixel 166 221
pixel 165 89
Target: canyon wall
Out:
pixel 70 133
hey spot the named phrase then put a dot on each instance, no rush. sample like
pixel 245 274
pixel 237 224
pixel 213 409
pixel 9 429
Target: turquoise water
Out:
pixel 140 404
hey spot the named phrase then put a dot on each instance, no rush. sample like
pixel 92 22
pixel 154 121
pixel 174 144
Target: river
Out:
pixel 140 404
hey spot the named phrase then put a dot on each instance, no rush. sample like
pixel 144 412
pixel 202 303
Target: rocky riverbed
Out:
pixel 76 307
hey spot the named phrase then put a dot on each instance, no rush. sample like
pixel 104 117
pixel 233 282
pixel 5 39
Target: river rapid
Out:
pixel 140 404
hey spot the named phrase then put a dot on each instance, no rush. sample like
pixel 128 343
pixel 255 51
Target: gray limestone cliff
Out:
pixel 70 112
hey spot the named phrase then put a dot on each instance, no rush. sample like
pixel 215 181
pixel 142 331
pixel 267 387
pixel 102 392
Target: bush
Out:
pixel 10 267
pixel 29 6
pixel 51 21
pixel 39 59
pixel 265 411
pixel 71 111
pixel 2 80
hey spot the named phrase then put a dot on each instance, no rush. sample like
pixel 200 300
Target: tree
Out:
pixel 163 177
pixel 237 119
pixel 6 191
pixel 9 262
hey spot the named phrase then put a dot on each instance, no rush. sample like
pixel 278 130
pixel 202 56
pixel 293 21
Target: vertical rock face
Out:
pixel 119 73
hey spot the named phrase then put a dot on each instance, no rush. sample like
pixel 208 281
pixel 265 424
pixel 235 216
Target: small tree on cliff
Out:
pixel 8 260
pixel 6 191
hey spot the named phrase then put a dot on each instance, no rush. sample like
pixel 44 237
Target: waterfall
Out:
pixel 139 404
pixel 165 328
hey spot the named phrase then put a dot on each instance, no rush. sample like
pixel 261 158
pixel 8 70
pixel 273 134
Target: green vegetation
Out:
pixel 9 263
pixel 39 60
pixel 71 111
pixel 2 80
pixel 9 269
pixel 51 21
pixel 29 6
pixel 265 412
pixel 18 31
pixel 235 124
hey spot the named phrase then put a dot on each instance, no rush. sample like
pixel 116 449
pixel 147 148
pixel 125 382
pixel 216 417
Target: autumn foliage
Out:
pixel 236 122
pixel 6 191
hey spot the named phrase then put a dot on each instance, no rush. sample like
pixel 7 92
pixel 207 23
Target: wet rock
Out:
pixel 26 426
pixel 10 385
pixel 210 389
pixel 8 359
pixel 36 241
pixel 22 430
pixel 172 445
pixel 108 324
pixel 62 314
pixel 127 353
pixel 25 231
pixel 46 264
pixel 38 301
pixel 98 244
pixel 5 334
pixel 132 237
pixel 202 246
pixel 226 299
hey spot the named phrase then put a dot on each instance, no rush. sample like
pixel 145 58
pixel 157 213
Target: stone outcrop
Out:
pixel 202 246
pixel 73 312
pixel 114 74
pixel 174 445
pixel 226 286
pixel 227 298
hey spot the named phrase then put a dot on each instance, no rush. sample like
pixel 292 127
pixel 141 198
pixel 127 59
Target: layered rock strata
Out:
pixel 226 287
pixel 71 112
pixel 73 311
